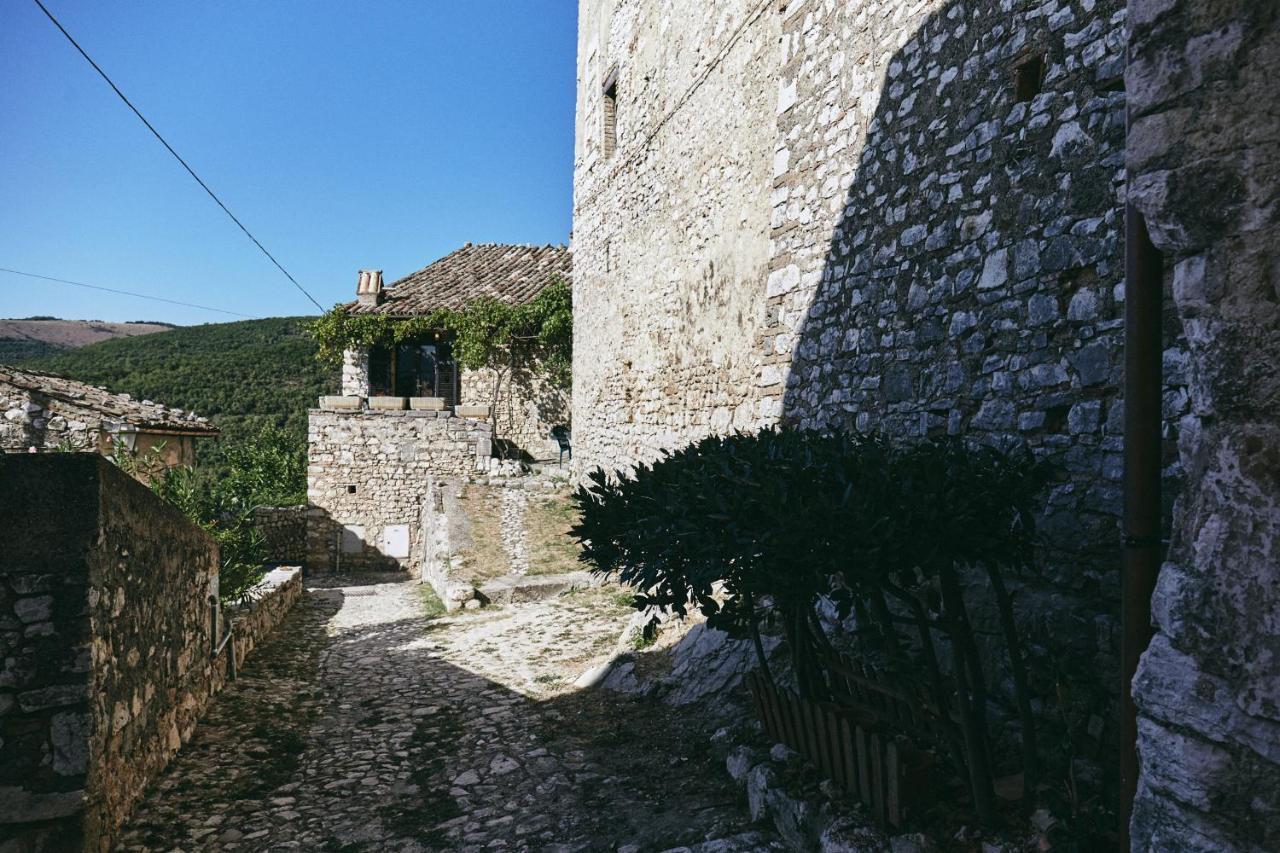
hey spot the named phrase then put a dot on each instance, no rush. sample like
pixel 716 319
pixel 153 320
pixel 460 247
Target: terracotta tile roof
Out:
pixel 113 407
pixel 512 274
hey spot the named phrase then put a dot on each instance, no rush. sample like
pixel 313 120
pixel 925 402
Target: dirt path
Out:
pixel 365 725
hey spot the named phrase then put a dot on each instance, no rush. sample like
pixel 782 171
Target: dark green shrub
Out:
pixel 747 527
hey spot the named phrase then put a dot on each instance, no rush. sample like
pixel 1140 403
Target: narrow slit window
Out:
pixel 609 109
pixel 1028 76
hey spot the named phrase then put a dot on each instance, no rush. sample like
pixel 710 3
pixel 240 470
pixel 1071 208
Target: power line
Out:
pixel 163 142
pixel 127 293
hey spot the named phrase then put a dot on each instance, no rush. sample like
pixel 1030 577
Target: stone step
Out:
pixel 517 589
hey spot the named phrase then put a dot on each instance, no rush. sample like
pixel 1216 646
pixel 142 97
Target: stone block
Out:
pixel 339 402
pixel 427 404
pixel 387 403
pixel 471 411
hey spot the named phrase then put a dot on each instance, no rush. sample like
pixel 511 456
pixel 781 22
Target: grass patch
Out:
pixel 484 557
pixel 432 606
pixel 547 520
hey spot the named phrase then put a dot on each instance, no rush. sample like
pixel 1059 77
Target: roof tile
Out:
pixel 509 273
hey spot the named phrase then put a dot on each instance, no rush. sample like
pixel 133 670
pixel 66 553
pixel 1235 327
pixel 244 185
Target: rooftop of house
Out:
pixel 509 273
pixel 121 408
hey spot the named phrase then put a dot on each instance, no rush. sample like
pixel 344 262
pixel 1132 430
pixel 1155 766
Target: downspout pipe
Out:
pixel 1143 545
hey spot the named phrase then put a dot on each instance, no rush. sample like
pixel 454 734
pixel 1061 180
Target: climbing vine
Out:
pixel 536 336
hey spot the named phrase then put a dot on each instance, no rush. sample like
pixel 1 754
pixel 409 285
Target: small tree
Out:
pixel 268 469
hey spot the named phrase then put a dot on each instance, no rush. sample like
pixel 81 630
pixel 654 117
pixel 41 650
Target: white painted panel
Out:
pixel 352 538
pixel 395 540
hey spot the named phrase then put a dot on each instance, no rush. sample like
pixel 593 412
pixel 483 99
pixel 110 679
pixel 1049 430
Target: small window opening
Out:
pixel 1028 76
pixel 351 490
pixel 609 139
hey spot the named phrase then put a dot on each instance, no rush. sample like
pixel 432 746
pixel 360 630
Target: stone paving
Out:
pixel 365 724
pixel 514 502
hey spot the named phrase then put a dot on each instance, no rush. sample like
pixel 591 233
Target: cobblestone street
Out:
pixel 366 724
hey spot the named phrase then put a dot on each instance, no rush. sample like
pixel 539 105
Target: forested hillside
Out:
pixel 241 375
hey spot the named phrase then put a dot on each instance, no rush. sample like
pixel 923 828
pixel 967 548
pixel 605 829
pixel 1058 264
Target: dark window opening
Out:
pixel 1028 76
pixel 414 369
pixel 609 139
pixel 351 490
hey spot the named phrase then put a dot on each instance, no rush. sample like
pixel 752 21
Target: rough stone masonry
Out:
pixel 914 211
pixel 1204 160
pixel 944 185
pixel 106 645
pixel 368 473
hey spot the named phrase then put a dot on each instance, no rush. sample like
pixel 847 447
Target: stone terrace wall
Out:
pixel 670 232
pixel 1204 153
pixel 48 522
pixel 284 529
pixel 106 641
pixel 367 477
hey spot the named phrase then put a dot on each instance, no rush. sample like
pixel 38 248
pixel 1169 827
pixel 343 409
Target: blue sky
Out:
pixel 345 135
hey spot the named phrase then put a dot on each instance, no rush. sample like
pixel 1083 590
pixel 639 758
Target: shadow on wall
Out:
pixel 970 285
pixel 336 547
pixel 602 767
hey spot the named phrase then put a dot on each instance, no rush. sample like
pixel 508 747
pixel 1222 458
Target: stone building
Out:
pixel 48 412
pixel 526 407
pixel 908 216
pixel 409 417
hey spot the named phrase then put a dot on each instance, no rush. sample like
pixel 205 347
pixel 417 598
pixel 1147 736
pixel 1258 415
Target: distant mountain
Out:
pixel 240 375
pixel 33 337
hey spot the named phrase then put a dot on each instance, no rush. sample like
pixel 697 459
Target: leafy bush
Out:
pixel 537 335
pixel 764 526
pixel 267 470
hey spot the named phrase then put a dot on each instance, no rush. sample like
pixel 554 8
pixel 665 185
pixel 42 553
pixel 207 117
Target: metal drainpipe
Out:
pixel 1143 548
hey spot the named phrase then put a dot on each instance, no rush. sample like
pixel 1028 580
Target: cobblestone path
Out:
pixel 364 725
pixel 514 504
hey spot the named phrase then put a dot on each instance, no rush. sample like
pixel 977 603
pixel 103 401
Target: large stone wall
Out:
pixel 1204 155
pixel 529 406
pixel 106 639
pixel 947 259
pixel 368 473
pixel 284 533
pixel 670 235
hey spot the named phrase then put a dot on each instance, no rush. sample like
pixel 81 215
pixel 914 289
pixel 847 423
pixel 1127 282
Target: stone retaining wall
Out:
pixel 368 474
pixel 284 530
pixel 106 638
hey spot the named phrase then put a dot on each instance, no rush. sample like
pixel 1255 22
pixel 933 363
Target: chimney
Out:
pixel 369 287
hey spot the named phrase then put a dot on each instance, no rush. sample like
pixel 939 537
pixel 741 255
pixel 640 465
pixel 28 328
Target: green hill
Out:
pixel 241 375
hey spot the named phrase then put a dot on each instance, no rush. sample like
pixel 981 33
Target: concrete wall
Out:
pixel 367 477
pixel 670 236
pixel 1204 156
pixel 106 642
